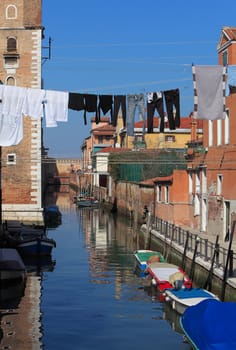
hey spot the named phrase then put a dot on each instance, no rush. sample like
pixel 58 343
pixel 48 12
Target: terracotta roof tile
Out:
pixel 185 123
pixel 230 32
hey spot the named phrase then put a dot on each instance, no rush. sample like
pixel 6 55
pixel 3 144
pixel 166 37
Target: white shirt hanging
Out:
pixel 56 107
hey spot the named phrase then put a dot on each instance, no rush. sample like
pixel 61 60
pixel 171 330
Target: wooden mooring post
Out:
pixel 227 263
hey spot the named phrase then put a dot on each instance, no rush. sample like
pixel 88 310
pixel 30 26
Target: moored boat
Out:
pixel 12 268
pixel 145 256
pixel 180 299
pixel 52 216
pixel 166 276
pixel 87 202
pixel 28 240
pixel 210 325
pixel 36 246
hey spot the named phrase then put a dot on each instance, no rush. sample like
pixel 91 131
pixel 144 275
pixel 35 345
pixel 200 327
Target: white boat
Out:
pixel 142 257
pixel 181 299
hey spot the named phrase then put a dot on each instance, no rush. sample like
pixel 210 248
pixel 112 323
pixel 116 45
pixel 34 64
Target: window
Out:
pixel 197 182
pixel 210 133
pixel 169 138
pixel 219 185
pixel 11 44
pixel 204 181
pixel 190 182
pixel 11 12
pixel 10 62
pixel 219 132
pixel 226 121
pixel 196 205
pixel 166 194
pixel 11 81
pixel 11 158
pixel 159 194
pixel 225 58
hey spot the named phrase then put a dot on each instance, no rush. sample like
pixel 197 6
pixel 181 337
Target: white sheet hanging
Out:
pixel 209 92
pixel 33 105
pixel 11 121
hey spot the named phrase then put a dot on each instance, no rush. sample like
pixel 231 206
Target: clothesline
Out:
pixel 53 105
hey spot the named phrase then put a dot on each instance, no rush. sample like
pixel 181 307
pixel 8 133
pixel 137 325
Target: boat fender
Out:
pixel 154 282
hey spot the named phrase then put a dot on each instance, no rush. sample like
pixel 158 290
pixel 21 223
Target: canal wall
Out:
pixel 195 256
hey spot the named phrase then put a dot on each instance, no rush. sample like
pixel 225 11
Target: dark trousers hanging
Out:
pixel 119 102
pixel 106 105
pixel 173 100
pixel 155 103
pixel 91 105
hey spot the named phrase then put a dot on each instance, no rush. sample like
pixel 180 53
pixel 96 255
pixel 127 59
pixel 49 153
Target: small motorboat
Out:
pixel 180 299
pixel 166 276
pixel 145 256
pixel 210 325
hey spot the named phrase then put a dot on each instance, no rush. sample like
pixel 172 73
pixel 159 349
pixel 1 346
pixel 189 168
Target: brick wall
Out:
pixel 22 181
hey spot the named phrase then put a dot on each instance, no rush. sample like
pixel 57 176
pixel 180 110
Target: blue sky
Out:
pixel 126 46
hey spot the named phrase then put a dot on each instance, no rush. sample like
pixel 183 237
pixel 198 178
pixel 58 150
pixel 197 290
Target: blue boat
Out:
pixel 29 240
pixel 36 246
pixel 210 325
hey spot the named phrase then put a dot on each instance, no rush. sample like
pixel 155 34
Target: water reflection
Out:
pixel 100 294
pixel 20 324
pixel 20 312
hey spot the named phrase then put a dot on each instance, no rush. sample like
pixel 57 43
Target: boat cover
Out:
pixel 191 293
pixel 210 325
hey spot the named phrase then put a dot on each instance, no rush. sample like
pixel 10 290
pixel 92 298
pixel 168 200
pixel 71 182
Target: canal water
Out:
pixel 88 297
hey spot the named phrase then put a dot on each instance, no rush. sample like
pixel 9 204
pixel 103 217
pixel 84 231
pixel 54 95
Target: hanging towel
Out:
pixel 11 121
pixel 33 105
pixel 56 107
pixel 209 92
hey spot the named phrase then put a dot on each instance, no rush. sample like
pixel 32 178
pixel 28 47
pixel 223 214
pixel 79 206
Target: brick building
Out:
pixel 206 198
pixel 21 35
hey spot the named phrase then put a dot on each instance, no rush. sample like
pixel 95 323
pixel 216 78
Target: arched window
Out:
pixel 11 44
pixel 11 81
pixel 11 12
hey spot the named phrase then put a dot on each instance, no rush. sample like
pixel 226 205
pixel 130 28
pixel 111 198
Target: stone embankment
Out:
pixel 203 256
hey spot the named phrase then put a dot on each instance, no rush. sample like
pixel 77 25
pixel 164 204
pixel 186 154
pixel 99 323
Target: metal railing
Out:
pixel 206 249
